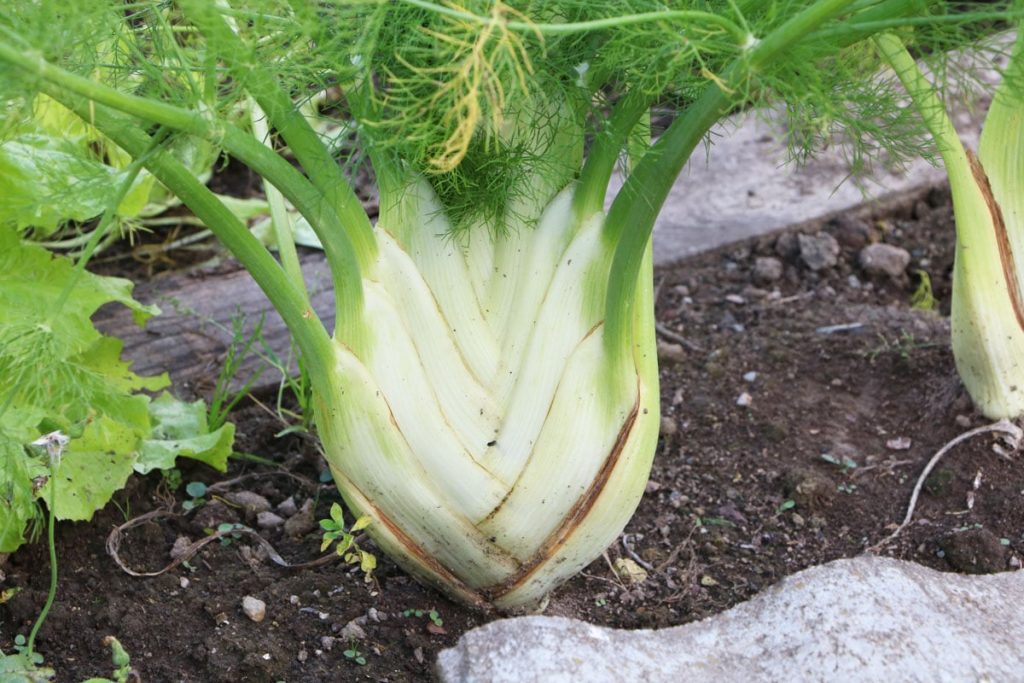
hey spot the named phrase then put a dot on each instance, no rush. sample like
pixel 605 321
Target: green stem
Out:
pixel 287 299
pixel 641 198
pixel 565 28
pixel 52 545
pixel 284 116
pixel 280 222
pixel 927 102
pixel 341 255
pixel 604 153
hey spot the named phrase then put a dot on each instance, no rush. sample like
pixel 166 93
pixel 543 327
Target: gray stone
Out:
pixel 884 259
pixel 268 520
pixel 767 269
pixel 863 619
pixel 819 251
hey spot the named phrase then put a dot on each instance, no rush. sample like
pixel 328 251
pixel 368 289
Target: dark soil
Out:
pixel 820 465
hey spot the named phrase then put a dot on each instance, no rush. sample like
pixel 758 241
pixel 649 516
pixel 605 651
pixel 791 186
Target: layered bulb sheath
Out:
pixel 987 316
pixel 494 435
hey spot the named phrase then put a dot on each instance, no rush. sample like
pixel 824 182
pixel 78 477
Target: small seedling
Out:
pixel 353 654
pixel 197 491
pixel 786 505
pixel 347 547
pixel 432 614
pixel 227 528
pixel 923 299
pixel 172 478
pixel 846 488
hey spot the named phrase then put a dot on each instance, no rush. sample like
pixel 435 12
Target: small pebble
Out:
pixel 302 656
pixel 327 643
pixel 287 507
pixel 669 427
pixel 670 352
pixel 884 259
pixel 293 599
pixel 183 582
pixel 268 520
pixel 735 299
pixel 963 421
pixel 373 615
pixel 744 400
pixel 750 376
pixel 819 251
pixel 254 608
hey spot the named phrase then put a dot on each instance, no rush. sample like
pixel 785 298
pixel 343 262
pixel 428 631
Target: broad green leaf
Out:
pixel 94 467
pixel 180 430
pixel 45 181
pixel 19 668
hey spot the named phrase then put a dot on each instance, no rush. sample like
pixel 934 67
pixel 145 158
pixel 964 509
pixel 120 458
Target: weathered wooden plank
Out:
pixel 188 340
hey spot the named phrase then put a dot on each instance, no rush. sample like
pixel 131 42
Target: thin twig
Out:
pixel 306 482
pixel 665 332
pixel 1012 431
pixel 627 545
pixel 615 573
pixel 117 534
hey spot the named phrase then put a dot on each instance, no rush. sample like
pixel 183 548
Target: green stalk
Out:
pixel 306 328
pixel 604 153
pixel 321 168
pixel 340 253
pixel 569 28
pixel 51 524
pixel 280 222
pixel 928 104
pixel 646 189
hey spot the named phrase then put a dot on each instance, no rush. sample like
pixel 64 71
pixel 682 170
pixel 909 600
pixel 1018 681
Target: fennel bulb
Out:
pixel 987 313
pixel 485 428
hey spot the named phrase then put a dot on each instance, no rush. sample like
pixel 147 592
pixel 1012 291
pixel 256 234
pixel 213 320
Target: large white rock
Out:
pixel 864 619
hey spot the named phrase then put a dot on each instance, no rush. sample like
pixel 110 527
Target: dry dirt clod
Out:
pixel 974 551
pixel 767 269
pixel 352 631
pixel 302 522
pixel 251 503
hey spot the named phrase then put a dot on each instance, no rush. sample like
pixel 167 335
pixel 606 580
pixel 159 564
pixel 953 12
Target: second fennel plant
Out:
pixel 987 312
pixel 489 395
